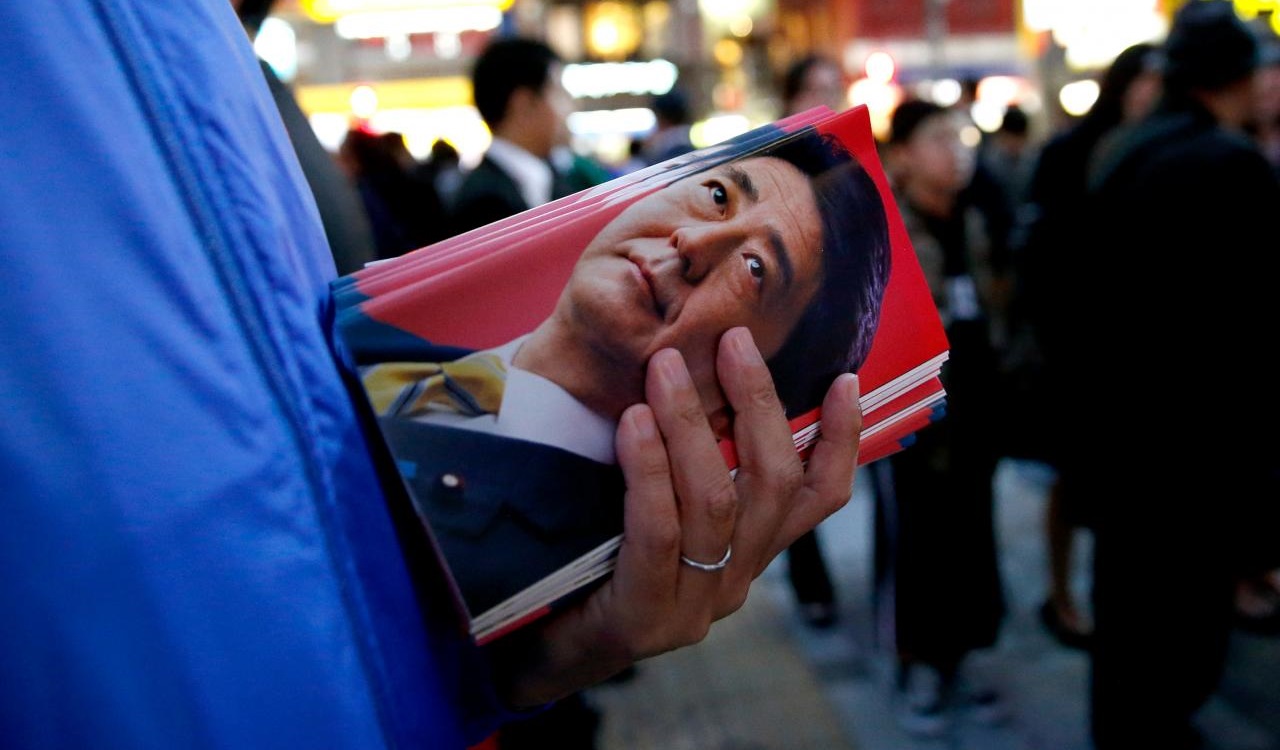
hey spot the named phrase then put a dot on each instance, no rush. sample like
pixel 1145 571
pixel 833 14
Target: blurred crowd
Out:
pixel 1070 269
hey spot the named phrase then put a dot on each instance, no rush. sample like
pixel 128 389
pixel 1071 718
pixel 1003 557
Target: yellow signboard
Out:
pixel 1246 9
pixel 416 93
pixel 328 11
pixel 1251 9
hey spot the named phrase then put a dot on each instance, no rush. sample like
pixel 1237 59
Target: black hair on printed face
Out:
pixel 835 332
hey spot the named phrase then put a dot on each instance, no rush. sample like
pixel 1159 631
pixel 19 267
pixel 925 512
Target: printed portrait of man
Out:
pixel 509 452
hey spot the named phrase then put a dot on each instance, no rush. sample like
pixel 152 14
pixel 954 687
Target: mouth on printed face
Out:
pixel 650 288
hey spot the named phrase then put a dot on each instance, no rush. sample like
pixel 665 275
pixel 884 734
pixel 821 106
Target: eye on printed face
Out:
pixel 738 245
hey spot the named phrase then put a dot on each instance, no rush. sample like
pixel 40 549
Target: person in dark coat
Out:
pixel 405 211
pixel 346 224
pixel 937 581
pixel 1053 239
pixel 670 137
pixel 516 85
pixel 1188 203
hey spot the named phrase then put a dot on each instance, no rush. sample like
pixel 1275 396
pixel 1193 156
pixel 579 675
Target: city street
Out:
pixel 764 681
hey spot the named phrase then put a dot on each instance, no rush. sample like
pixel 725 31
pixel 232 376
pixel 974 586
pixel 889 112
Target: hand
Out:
pixel 681 500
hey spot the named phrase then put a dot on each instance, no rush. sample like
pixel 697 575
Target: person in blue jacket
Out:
pixel 196 549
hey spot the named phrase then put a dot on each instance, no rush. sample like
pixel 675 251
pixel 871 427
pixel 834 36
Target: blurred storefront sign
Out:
pixel 1260 10
pixel 596 80
pixel 1070 39
pixel 330 11
pixel 969 55
pixel 412 93
pixel 423 109
pixel 878 90
pixel 1263 14
pixel 1093 32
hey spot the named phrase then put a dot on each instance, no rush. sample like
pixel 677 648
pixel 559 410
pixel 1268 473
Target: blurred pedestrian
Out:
pixel 405 211
pixel 1257 604
pixel 635 157
pixel 346 225
pixel 1053 237
pixel 1188 204
pixel 671 134
pixel 576 172
pixel 1265 126
pixel 986 193
pixel 938 586
pixel 443 169
pixel 1008 156
pixel 813 81
pixel 517 88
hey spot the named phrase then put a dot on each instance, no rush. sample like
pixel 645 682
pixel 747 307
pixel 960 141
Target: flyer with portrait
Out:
pixel 495 364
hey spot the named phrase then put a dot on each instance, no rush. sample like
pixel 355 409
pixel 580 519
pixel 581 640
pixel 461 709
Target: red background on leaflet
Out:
pixel 483 293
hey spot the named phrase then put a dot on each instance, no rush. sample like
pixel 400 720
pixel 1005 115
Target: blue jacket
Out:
pixel 194 548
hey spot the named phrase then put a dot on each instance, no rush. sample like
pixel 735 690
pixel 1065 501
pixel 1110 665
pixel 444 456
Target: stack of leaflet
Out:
pixel 487 287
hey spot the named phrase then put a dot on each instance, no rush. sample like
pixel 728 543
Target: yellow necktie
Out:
pixel 470 386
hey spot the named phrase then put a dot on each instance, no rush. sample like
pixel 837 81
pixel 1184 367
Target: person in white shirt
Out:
pixel 516 86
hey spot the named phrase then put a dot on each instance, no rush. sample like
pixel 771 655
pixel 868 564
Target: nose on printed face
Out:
pixel 701 247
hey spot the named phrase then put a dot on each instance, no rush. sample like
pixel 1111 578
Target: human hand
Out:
pixel 681 501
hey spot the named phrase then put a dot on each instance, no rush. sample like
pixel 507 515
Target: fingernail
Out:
pixel 850 381
pixel 642 422
pixel 670 367
pixel 743 345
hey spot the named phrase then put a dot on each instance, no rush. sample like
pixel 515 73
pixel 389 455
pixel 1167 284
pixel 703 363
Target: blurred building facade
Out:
pixel 402 65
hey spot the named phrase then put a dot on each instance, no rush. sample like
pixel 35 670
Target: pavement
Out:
pixel 764 681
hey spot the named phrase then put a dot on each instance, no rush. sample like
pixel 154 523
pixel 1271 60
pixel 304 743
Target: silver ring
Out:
pixel 710 567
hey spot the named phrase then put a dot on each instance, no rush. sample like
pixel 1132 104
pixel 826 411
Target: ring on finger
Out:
pixel 710 567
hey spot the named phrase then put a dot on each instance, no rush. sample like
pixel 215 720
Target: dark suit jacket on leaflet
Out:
pixel 505 512
pixel 488 194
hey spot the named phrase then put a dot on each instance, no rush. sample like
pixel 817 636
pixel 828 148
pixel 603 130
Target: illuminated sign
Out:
pixel 415 93
pixel 602 122
pixel 328 11
pixel 595 80
pixel 439 20
pixel 1251 9
pixel 1093 32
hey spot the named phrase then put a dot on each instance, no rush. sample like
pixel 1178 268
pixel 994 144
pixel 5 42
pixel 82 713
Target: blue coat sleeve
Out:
pixel 196 552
